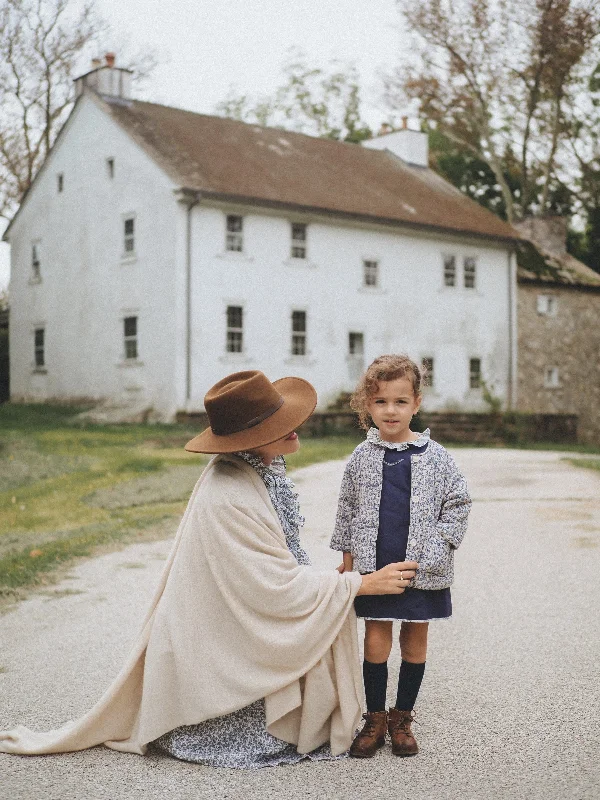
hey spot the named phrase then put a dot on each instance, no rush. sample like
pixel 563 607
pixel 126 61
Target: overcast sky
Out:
pixel 205 47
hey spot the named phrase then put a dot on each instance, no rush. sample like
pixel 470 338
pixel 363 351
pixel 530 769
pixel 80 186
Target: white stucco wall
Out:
pixel 411 311
pixel 86 286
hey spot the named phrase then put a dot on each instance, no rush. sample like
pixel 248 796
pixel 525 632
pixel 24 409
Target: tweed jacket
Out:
pixel 439 507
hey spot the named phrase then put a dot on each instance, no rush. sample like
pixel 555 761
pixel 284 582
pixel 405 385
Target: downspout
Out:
pixel 512 333
pixel 190 199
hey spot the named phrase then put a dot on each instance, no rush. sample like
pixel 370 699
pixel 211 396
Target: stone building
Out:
pixel 558 322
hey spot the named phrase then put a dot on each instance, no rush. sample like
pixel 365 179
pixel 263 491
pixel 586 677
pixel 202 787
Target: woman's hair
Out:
pixel 384 368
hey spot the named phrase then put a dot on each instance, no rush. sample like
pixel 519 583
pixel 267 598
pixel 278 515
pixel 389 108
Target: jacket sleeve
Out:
pixel 452 522
pixel 346 511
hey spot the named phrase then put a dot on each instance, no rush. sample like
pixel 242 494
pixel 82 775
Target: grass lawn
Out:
pixel 69 491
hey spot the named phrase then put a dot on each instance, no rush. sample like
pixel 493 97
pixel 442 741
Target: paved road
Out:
pixel 510 704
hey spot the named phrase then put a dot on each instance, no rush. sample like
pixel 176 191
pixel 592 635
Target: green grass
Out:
pixel 587 463
pixel 70 490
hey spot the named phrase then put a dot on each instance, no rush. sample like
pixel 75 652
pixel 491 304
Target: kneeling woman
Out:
pixel 248 656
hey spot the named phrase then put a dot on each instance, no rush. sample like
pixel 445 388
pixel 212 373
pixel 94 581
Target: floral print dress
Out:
pixel 241 739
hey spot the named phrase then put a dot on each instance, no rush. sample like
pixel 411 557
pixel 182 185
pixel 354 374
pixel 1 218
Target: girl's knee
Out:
pixel 378 640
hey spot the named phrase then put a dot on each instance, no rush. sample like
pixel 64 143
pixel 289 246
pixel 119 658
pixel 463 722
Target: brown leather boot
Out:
pixel 372 736
pixel 403 741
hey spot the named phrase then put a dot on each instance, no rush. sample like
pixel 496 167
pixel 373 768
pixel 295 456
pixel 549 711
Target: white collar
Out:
pixel 374 438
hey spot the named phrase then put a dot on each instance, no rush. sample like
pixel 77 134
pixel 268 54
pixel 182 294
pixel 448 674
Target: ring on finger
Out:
pixel 401 575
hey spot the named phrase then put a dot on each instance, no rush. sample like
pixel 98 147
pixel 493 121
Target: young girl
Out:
pixel 402 497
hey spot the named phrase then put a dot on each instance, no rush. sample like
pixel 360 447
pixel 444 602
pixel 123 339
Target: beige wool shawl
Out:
pixel 235 619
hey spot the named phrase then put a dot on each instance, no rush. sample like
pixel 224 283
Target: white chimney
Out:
pixel 106 79
pixel 411 146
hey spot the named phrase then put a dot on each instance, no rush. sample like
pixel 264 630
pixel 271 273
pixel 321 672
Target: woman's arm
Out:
pixel 392 579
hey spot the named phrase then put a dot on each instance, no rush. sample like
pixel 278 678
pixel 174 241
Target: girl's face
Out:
pixel 391 408
pixel 282 447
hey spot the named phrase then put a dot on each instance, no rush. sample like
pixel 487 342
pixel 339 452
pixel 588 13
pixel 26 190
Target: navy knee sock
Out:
pixel 409 683
pixel 375 677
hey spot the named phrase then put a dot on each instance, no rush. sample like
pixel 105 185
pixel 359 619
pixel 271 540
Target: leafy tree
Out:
pixel 495 77
pixel 313 100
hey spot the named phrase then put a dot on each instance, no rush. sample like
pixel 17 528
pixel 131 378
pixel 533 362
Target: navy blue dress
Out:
pixel 415 605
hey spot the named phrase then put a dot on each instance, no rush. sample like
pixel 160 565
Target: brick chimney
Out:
pixel 549 233
pixel 106 79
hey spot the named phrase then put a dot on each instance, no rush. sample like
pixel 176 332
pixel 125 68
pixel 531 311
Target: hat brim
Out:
pixel 299 402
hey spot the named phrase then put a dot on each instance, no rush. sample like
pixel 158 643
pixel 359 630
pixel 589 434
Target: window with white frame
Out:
pixel 427 366
pixel 234 339
pixel 129 236
pixel 130 337
pixel 234 240
pixel 470 270
pixel 36 260
pixel 449 270
pixel 298 333
pixel 39 336
pixel 370 273
pixel 298 240
pixel 547 304
pixel 60 182
pixel 475 373
pixel 356 343
pixel 551 378
pixel 110 167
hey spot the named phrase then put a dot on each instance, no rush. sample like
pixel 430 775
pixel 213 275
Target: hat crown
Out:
pixel 240 401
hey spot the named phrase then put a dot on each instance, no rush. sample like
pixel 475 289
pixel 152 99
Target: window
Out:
pixel 356 344
pixel 36 264
pixel 469 265
pixel 547 304
pixel 371 273
pixel 298 240
pixel 475 373
pixel 298 333
pixel 234 240
pixel 129 235
pixel 39 347
pixel 427 366
pixel 449 270
pixel 110 167
pixel 60 182
pixel 551 378
pixel 130 338
pixel 234 339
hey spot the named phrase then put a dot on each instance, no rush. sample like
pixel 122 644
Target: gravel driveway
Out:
pixel 510 703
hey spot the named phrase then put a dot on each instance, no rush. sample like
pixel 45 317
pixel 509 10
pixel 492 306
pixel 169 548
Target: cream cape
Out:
pixel 234 619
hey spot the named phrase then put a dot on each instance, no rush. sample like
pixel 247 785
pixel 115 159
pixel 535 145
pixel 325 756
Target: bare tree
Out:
pixel 44 45
pixel 494 76
pixel 313 100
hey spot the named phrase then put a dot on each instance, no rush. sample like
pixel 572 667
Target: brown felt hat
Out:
pixel 245 410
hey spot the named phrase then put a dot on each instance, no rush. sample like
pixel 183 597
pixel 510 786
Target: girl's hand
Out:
pixel 342 568
pixel 392 579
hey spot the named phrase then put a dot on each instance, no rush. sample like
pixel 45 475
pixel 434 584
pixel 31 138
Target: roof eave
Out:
pixel 224 197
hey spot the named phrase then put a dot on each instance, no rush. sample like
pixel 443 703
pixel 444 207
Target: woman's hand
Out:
pixel 392 579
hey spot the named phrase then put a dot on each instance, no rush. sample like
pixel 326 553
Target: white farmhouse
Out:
pixel 159 250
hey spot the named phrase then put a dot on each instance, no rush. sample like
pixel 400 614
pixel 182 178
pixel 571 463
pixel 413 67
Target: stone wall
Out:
pixel 568 339
pixel 501 429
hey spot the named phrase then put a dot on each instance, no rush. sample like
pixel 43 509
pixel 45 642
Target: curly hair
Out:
pixel 384 368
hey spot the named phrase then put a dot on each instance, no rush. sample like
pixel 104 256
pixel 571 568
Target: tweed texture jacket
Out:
pixel 439 508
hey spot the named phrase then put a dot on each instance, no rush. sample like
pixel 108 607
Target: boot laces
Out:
pixel 369 726
pixel 403 723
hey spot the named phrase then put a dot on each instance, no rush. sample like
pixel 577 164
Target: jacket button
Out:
pixel 413 542
pixel 415 497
